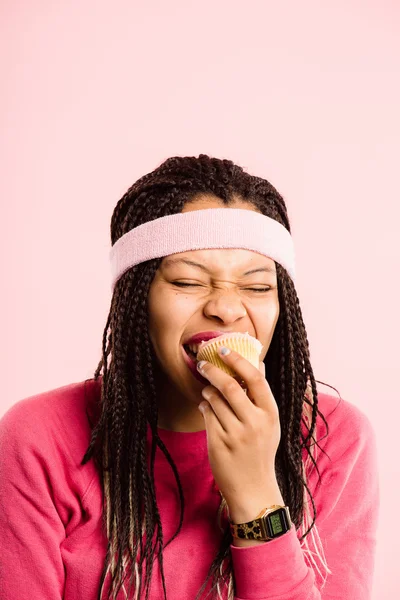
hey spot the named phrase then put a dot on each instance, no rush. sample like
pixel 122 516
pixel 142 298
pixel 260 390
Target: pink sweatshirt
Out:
pixel 52 546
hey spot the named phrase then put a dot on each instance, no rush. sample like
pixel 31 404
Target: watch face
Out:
pixel 277 523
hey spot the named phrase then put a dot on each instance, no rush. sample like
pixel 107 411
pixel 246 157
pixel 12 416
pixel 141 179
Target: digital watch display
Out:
pixel 271 523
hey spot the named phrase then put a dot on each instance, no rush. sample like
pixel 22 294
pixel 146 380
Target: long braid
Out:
pixel 128 400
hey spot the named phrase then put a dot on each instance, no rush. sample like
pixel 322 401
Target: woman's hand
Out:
pixel 243 434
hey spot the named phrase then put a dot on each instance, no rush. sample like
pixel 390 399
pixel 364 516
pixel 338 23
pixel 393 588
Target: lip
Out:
pixel 192 366
pixel 204 336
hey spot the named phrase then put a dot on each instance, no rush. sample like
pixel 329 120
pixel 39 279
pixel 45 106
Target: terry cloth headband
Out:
pixel 200 229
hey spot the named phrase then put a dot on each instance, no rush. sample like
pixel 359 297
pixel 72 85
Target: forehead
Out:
pixel 220 259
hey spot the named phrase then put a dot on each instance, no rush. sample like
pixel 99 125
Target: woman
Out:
pixel 250 487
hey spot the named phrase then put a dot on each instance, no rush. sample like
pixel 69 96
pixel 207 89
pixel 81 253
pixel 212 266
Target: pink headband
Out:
pixel 200 229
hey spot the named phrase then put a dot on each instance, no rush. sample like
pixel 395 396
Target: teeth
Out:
pixel 194 347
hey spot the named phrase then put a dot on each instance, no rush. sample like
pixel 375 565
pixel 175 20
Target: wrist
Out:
pixel 246 509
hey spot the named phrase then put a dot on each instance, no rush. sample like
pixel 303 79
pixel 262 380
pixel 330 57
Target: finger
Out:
pixel 230 390
pixel 213 426
pixel 221 407
pixel 257 385
pixel 253 379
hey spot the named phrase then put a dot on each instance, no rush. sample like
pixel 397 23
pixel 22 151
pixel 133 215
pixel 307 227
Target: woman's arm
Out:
pixel 31 530
pixel 347 503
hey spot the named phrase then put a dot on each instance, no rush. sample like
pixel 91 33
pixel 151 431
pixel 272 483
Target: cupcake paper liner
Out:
pixel 243 343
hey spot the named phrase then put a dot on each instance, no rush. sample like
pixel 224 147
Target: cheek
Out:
pixel 269 312
pixel 267 321
pixel 168 312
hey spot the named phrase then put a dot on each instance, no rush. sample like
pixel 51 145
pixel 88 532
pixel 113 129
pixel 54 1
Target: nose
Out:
pixel 226 306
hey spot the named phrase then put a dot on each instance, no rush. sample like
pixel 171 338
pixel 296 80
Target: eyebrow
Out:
pixel 174 261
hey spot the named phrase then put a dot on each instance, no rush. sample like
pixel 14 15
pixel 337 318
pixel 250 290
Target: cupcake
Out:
pixel 243 343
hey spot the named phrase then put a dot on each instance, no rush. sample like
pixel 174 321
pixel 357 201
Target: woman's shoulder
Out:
pixel 58 407
pixel 342 412
pixel 53 424
pixel 349 426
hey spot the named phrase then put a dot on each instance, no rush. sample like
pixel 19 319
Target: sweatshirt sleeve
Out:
pixel 31 530
pixel 347 502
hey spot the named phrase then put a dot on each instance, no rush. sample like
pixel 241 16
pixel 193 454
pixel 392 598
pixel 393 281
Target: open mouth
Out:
pixel 190 353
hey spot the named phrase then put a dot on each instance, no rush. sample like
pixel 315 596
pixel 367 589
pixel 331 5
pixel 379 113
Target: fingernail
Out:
pixel 201 364
pixel 224 351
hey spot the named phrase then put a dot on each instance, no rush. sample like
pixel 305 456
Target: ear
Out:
pixel 262 367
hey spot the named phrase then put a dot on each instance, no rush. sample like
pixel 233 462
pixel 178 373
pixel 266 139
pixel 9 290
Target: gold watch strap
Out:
pixel 256 529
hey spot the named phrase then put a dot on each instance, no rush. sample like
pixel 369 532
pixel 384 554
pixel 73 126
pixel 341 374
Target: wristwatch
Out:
pixel 272 522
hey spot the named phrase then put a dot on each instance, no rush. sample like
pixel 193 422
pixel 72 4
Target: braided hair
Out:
pixel 128 402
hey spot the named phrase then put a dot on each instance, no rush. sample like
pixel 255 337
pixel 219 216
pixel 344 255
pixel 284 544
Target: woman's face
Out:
pixel 218 298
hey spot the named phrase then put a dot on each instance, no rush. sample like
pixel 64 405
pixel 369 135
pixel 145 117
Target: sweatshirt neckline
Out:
pixel 181 442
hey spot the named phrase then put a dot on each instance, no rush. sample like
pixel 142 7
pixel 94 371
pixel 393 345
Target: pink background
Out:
pixel 306 94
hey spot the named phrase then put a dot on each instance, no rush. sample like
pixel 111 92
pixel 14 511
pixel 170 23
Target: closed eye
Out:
pixel 182 284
